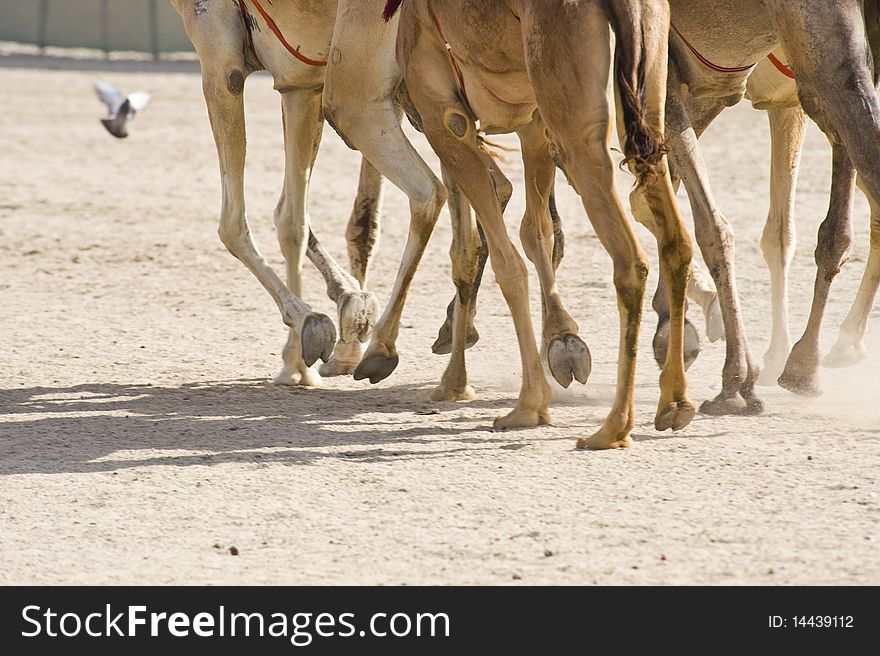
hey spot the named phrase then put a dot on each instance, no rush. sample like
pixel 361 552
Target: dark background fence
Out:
pixel 149 26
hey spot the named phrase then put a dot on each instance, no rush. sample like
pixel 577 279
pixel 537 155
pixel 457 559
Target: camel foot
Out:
pixel 732 405
pixel 522 418
pixel 376 367
pixel 443 344
pixel 294 377
pixel 345 359
pixel 774 364
pixel 845 354
pixel 317 335
pixel 569 358
pixel 691 343
pixel 605 439
pixel 800 380
pixel 714 322
pixel 453 393
pixel 358 313
pixel 675 415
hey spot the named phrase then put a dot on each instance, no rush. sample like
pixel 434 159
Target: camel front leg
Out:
pixel 358 100
pixel 315 331
pixel 801 373
pixel 568 357
pixel 301 111
pixel 787 130
pixel 850 348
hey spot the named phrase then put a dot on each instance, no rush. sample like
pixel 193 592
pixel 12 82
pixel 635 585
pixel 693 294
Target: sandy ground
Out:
pixel 140 437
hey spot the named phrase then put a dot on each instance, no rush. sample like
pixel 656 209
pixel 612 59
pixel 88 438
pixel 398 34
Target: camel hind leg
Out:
pixel 849 348
pixel 568 357
pixel 787 130
pixel 801 373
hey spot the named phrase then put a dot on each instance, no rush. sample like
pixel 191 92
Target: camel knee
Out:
pixel 291 232
pixel 629 281
pixel 777 242
pixel 832 251
pixel 716 240
pixel 343 123
pixel 510 270
pixel 233 233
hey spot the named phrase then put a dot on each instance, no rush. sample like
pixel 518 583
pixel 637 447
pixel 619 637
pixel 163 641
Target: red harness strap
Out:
pixel 782 68
pixel 459 77
pixel 272 26
pixel 705 62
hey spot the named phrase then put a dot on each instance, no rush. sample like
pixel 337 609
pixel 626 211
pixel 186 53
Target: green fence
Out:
pixel 150 26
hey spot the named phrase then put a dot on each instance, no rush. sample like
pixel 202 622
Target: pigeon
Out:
pixel 121 109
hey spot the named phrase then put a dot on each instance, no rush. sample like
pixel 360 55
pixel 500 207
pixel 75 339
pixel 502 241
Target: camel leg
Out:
pixel 581 141
pixel 568 358
pixel 849 348
pixel 443 343
pixel 715 239
pixel 358 101
pixel 301 110
pixel 801 373
pixel 787 130
pixel 223 75
pixel 362 232
pixel 468 256
pixel 459 206
pixel 700 289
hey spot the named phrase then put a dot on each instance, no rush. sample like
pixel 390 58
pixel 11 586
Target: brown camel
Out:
pixel 495 62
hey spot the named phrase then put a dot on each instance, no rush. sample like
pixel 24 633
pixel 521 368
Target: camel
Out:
pixel 233 39
pixel 464 61
pixel 348 74
pixel 713 48
pixel 772 87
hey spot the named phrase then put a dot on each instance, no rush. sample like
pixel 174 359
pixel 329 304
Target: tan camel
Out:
pixel 713 48
pixel 233 39
pixel 465 61
pixel 772 87
pixel 349 56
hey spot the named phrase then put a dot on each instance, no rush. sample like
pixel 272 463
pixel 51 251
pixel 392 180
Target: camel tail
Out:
pixel 644 147
pixel 391 8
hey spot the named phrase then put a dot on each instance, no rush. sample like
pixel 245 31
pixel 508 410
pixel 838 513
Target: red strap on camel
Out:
pixel 705 62
pixel 277 32
pixel 782 68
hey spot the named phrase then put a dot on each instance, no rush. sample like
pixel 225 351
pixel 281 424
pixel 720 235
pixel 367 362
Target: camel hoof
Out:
pixel 845 354
pixel 293 377
pixel 569 358
pixel 318 335
pixel 443 344
pixel 441 393
pixel 376 367
pixel 358 313
pixel 334 367
pixel 714 322
pixel 732 405
pixel 675 415
pixel 772 370
pixel 805 383
pixel 522 418
pixel 691 344
pixel 604 440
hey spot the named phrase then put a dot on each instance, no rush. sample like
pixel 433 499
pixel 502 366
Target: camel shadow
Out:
pixel 99 427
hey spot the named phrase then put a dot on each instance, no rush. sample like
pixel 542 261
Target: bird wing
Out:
pixel 109 96
pixel 139 100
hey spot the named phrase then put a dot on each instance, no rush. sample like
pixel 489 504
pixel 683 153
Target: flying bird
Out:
pixel 121 109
